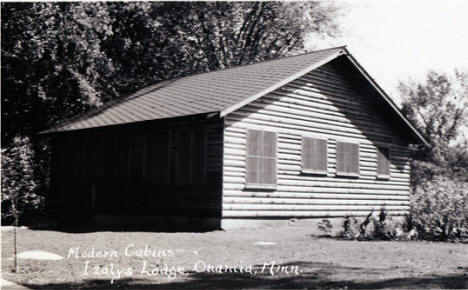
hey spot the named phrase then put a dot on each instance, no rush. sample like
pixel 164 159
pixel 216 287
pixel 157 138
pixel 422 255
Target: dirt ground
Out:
pixel 245 258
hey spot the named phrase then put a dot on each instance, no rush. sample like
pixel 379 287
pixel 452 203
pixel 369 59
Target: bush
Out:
pixel 370 228
pixel 325 226
pixel 439 210
pixel 18 180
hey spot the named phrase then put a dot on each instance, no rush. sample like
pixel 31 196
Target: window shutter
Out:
pixel 347 158
pixel 340 157
pixel 253 170
pixel 261 158
pixel 254 161
pixel 354 162
pixel 383 161
pixel 307 153
pixel 314 154
pixel 254 143
pixel 269 158
pixel 321 155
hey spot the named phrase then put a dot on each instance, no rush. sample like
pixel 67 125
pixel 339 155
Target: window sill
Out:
pixel 314 172
pixel 261 186
pixel 383 177
pixel 347 174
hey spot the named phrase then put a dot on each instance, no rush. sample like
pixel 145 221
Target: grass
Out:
pixel 323 263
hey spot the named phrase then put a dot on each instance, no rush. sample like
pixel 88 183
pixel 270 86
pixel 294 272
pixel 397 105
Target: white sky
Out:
pixel 396 40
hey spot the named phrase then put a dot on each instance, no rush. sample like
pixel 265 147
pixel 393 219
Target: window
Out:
pixel 383 163
pixel 190 171
pixel 347 159
pixel 261 159
pixel 314 155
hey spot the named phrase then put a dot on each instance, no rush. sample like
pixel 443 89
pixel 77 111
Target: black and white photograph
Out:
pixel 234 144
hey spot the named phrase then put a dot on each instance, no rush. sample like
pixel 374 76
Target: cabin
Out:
pixel 300 137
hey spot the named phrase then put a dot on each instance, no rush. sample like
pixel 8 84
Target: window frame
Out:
pixel 339 173
pixel 314 171
pixel 261 186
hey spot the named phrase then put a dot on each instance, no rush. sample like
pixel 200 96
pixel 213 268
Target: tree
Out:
pixel 61 59
pixel 438 109
pixel 18 184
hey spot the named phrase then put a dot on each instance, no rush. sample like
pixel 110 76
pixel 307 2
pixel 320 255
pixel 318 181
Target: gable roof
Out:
pixel 221 91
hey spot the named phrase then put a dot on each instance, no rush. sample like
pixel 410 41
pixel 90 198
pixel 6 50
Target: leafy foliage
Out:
pixel 439 173
pixel 325 226
pixel 439 210
pixel 370 228
pixel 18 180
pixel 60 59
pixel 438 108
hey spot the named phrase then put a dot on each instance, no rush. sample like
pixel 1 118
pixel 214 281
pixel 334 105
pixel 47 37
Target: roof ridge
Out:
pixel 258 62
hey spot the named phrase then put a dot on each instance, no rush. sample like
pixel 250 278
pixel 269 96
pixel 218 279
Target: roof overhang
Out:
pixel 419 137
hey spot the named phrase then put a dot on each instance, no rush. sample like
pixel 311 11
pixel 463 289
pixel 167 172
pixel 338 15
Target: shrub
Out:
pixel 371 228
pixel 350 229
pixel 439 210
pixel 325 226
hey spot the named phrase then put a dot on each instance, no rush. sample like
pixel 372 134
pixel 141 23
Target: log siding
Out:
pixel 327 103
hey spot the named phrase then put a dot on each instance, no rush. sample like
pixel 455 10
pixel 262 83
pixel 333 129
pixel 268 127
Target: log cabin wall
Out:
pixel 140 169
pixel 331 103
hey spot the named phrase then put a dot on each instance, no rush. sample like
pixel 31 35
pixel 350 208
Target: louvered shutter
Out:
pixel 253 149
pixel 321 155
pixel 269 158
pixel 383 161
pixel 307 153
pixel 354 159
pixel 314 155
pixel 347 158
pixel 340 157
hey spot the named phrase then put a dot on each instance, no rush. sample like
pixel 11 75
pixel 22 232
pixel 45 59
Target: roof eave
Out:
pixel 418 136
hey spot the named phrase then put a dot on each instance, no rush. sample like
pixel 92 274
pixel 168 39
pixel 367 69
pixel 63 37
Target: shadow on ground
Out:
pixel 313 276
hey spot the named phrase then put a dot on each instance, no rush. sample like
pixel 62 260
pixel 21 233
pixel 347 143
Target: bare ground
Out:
pixel 307 261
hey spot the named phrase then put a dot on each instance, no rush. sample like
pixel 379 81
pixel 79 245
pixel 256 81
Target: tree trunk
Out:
pixel 15 270
pixel 15 250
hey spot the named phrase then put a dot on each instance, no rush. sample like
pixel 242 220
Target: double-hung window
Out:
pixel 261 159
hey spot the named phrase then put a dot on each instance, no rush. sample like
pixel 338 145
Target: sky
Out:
pixel 397 40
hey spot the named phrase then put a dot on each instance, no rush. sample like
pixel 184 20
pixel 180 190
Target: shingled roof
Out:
pixel 214 91
pixel 220 91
